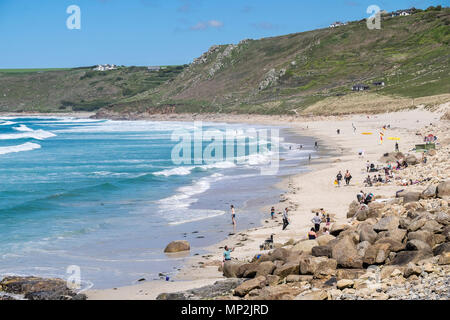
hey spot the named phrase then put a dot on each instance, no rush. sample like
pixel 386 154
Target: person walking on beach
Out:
pixel 316 145
pixel 316 221
pixel 233 215
pixel 309 157
pixel 347 178
pixel 272 212
pixel 396 147
pixel 368 166
pixel 339 178
pixel 285 218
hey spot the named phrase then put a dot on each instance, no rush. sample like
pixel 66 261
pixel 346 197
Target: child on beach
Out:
pixel 328 221
pixel 227 254
pixel 272 212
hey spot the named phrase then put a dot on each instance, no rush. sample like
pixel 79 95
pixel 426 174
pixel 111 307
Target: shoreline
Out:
pixel 202 271
pixel 322 172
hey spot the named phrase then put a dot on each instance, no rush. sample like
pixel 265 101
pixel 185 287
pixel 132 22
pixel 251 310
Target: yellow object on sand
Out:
pixel 367 133
pixel 393 138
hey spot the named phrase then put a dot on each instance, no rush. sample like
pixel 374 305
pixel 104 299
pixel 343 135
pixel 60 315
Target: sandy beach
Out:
pixel 312 190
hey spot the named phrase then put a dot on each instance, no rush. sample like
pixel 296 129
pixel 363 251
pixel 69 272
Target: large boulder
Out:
pixel 324 239
pixel 422 235
pixel 443 190
pixel 177 246
pixel 321 251
pixel 391 157
pixel 353 208
pixel 265 268
pixel 362 248
pixel 404 257
pixel 305 246
pixel 377 254
pixel 416 224
pixel 337 228
pixel 33 288
pixel 280 292
pixel 231 269
pixel 346 255
pixel 411 160
pixel 429 192
pixel 287 269
pixel 441 249
pixel 396 234
pixel 417 245
pixel 409 196
pixel 250 285
pixel 313 295
pixel 367 233
pixel 279 254
pixel 318 266
pixel 432 226
pixel 247 270
pixel 443 218
pixel 387 223
pixel 394 245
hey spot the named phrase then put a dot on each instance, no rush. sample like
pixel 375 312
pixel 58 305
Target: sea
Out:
pixel 105 197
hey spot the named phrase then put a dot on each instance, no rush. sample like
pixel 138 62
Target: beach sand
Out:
pixel 305 192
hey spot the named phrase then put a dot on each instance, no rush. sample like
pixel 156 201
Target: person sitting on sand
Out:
pixel 272 212
pixel 368 181
pixel 316 220
pixel 285 218
pixel 312 234
pixel 326 230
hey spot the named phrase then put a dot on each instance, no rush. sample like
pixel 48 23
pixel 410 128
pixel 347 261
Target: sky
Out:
pixel 34 33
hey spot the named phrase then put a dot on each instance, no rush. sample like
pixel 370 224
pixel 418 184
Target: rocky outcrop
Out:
pixel 177 246
pixel 34 288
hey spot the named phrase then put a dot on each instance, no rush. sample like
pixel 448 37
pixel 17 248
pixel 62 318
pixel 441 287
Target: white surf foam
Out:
pixel 19 148
pixel 175 209
pixel 34 134
pixel 23 128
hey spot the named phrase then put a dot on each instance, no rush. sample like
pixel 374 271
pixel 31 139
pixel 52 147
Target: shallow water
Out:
pixel 106 196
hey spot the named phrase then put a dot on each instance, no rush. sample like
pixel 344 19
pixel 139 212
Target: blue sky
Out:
pixel 33 33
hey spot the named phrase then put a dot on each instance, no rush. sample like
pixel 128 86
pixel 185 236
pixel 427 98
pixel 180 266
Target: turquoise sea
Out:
pixel 107 196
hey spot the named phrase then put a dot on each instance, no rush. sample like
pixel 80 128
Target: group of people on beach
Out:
pixel 317 220
pixel 347 177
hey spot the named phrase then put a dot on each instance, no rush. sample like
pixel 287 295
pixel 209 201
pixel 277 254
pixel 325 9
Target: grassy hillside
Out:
pixel 288 74
pixel 298 73
pixel 78 89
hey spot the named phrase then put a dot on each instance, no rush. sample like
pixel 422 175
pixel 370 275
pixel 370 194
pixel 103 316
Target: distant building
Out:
pixel 379 83
pixel 360 87
pixel 105 67
pixel 154 68
pixel 403 13
pixel 337 24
